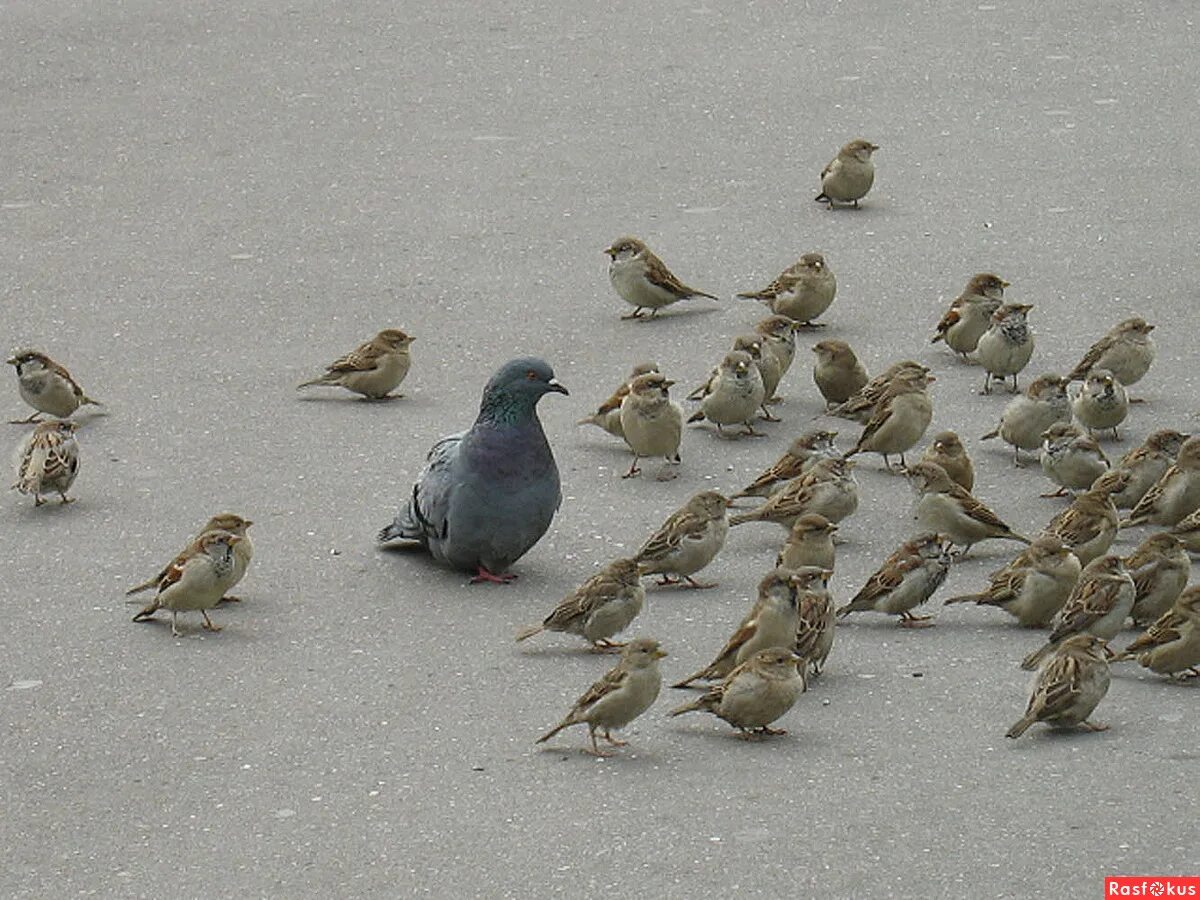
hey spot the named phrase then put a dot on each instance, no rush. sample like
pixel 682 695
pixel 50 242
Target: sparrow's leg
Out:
pixel 614 741
pixel 633 468
pixel 482 575
pixel 698 585
pixel 606 646
pixel 28 421
pixel 908 620
pixel 208 623
pixel 1061 492
pixel 636 314
pixel 65 498
pixel 229 598
pixel 750 432
pixel 1093 726
pixel 595 751
pixel 767 729
pixel 767 415
pixel 175 624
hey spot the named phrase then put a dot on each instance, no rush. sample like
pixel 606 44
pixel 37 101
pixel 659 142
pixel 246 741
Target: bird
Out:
pixel 755 694
pixel 46 386
pixel 1127 350
pixel 642 280
pixel 947 508
pixel 1099 604
pixel 1034 586
pixel 651 423
pixel 863 404
pixel 1089 525
pixel 1103 403
pixel 947 451
pixel 243 553
pixel 1147 463
pixel 815 623
pixel 1188 532
pixel 1007 346
pixel 970 314
pixel 1069 687
pixel 828 488
pixel 1171 645
pixel 849 175
pixel 598 609
pixel 802 292
pixel 487 495
pixel 608 415
pixel 48 460
pixel 1159 567
pixel 1071 458
pixel 809 543
pixel 768 368
pixel 1175 495
pixel 687 541
pixel 906 579
pixel 732 394
pixel 899 421
pixel 1027 418
pixel 196 580
pixel 771 622
pixel 624 693
pixel 804 452
pixel 778 335
pixel 373 369
pixel 837 372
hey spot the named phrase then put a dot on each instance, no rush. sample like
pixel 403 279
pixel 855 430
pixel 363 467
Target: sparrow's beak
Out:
pixel 247 523
pixel 610 251
pixel 668 383
pixel 1005 284
pixel 660 653
pixel 555 386
pixel 12 362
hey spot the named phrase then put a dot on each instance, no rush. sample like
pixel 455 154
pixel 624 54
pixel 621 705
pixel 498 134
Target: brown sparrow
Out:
pixel 243 553
pixel 1188 532
pixel 687 542
pixel 800 456
pixel 373 369
pixel 1127 351
pixel 1098 605
pixel 1102 404
pixel 802 292
pixel 969 316
pixel 642 280
pixel 837 372
pixel 1160 567
pixel 753 695
pixel 196 580
pixel 1069 687
pixel 732 395
pixel 651 423
pixel 624 693
pixel 1146 464
pixel 863 404
pixel 907 579
pixel 828 488
pixel 48 460
pixel 768 368
pixel 1072 459
pixel 815 623
pixel 608 414
pixel 900 419
pixel 948 452
pixel 1172 644
pixel 1026 418
pixel 46 386
pixel 1089 525
pixel 809 543
pixel 1034 586
pixel 1007 346
pixel 601 607
pixel 778 334
pixel 947 508
pixel 1175 495
pixel 849 175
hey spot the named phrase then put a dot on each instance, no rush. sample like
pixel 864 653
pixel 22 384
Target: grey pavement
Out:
pixel 202 204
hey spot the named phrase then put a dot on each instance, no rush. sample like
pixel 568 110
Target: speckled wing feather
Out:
pixel 362 358
pixel 424 516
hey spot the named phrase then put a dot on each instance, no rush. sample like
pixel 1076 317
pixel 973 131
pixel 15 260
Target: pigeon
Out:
pixel 487 495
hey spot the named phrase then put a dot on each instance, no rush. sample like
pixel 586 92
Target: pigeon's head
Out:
pixel 520 383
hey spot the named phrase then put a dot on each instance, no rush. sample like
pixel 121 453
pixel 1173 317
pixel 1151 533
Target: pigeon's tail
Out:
pixel 402 529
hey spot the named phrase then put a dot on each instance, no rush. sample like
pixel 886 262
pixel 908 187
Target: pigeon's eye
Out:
pixel 531 375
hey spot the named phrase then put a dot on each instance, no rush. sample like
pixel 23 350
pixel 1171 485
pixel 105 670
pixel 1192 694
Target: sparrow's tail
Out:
pixel 821 198
pixel 327 378
pixel 85 400
pixel 148 612
pixel 529 631
pixel 990 435
pixel 740 518
pixel 697 416
pixel 144 586
pixel 1034 659
pixel 568 721
pixel 700 703
pixel 968 598
pixel 1022 726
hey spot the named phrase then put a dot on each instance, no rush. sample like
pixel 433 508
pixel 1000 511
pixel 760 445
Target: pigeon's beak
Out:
pixel 556 387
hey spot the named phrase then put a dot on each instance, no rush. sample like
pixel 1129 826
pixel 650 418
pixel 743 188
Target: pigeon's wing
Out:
pixel 424 516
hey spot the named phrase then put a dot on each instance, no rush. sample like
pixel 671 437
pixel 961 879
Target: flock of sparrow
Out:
pixel 487 495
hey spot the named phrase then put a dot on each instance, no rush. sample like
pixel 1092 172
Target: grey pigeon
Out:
pixel 487 495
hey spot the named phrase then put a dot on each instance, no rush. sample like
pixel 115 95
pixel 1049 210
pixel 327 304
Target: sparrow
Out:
pixel 598 609
pixel 46 386
pixel 48 460
pixel 900 419
pixel 1007 346
pixel 1069 687
pixel 753 695
pixel 651 423
pixel 196 580
pixel 373 369
pixel 1027 418
pixel 837 372
pixel 948 508
pixel 1146 464
pixel 1171 645
pixel 243 553
pixel 732 395
pixel 778 335
pixel 862 405
pixel 809 543
pixel 815 623
pixel 800 456
pixel 907 579
pixel 768 368
pixel 771 622
pixel 608 415
pixel 1127 351
pixel 828 488
pixel 969 316
pixel 948 452
pixel 624 693
pixel 1098 605
pixel 687 542
pixel 1160 567
pixel 1089 525
pixel 1034 586
pixel 802 292
pixel 849 175
pixel 1072 459
pixel 1102 403
pixel 641 280
pixel 1188 532
pixel 1175 495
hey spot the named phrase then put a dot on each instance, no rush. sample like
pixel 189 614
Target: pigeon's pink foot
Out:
pixel 483 576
